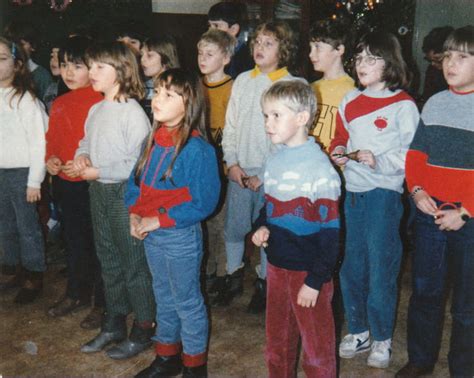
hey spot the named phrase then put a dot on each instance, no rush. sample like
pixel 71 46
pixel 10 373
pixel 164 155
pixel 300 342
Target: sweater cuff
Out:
pixel 313 281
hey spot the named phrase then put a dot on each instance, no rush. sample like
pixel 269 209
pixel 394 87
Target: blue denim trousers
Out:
pixel 371 263
pixel 21 238
pixel 243 208
pixel 435 251
pixel 174 257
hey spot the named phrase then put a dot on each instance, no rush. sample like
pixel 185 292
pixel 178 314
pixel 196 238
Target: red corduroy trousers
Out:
pixel 286 321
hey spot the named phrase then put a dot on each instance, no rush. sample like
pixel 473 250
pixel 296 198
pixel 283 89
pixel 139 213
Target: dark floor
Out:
pixel 32 344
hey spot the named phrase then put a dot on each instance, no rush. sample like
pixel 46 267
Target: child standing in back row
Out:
pixel 174 187
pixel 375 126
pixel 114 131
pixel 215 49
pixel 330 45
pixel 246 147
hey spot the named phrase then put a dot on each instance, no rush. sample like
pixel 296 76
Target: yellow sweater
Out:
pixel 218 95
pixel 329 94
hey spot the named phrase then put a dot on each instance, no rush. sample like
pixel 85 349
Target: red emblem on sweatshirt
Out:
pixel 381 123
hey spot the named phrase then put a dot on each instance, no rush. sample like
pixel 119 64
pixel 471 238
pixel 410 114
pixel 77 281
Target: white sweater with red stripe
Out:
pixel 383 122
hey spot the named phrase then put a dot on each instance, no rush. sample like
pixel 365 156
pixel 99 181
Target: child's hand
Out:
pixel 366 157
pixel 90 173
pixel 134 222
pixel 448 220
pixel 33 194
pixel 147 225
pixel 82 162
pixel 261 236
pixel 307 296
pixel 69 170
pixel 253 183
pixel 339 160
pixel 53 165
pixel 236 174
pixel 424 202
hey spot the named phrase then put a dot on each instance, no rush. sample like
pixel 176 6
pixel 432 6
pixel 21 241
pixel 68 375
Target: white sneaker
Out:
pixel 380 354
pixel 352 344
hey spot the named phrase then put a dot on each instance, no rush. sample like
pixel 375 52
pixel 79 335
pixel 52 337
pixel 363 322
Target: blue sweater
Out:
pixel 190 195
pixel 301 211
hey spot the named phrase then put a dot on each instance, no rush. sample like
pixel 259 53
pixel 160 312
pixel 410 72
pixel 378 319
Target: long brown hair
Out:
pixel 188 86
pixel 22 81
pixel 121 57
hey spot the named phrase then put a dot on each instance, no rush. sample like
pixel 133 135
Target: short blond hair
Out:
pixel 294 94
pixel 223 40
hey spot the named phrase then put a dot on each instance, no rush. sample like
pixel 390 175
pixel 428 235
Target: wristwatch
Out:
pixel 464 216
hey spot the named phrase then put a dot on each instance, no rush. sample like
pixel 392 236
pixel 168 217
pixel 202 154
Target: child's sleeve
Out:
pixel 132 191
pixel 327 240
pixel 417 158
pixel 84 143
pixel 201 173
pixel 229 137
pixel 393 162
pixel 342 135
pixel 35 123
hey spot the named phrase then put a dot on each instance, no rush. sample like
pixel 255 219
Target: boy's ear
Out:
pixel 227 59
pixel 341 49
pixel 302 118
pixel 234 30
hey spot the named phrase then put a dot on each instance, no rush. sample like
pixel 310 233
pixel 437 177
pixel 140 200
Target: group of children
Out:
pixel 133 195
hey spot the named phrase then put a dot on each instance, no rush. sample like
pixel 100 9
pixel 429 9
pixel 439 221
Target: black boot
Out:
pixel 195 372
pixel 216 287
pixel 258 302
pixel 163 366
pixel 12 277
pixel 114 329
pixel 233 287
pixel 30 288
pixel 138 341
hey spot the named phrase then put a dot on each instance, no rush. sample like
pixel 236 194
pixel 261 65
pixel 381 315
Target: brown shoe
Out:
pixel 412 371
pixel 67 305
pixel 31 287
pixel 11 277
pixel 93 320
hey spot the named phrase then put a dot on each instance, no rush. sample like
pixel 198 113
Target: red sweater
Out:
pixel 66 124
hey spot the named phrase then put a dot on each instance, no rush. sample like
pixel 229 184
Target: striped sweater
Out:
pixel 441 157
pixel 301 211
pixel 383 122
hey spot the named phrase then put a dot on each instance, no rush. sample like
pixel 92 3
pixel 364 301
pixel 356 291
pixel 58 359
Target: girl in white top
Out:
pixel 22 148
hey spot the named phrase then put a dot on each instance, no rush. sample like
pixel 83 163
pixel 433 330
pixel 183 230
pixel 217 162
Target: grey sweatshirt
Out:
pixel 114 132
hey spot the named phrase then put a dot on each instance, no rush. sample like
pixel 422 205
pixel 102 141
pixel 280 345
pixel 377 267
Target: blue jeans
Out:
pixel 371 263
pixel 21 238
pixel 243 208
pixel 174 257
pixel 436 249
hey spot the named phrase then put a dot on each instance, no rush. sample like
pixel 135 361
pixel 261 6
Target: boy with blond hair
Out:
pixel 215 50
pixel 299 226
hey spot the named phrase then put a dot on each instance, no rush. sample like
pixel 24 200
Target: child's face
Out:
pixel 265 52
pixel 211 59
pixel 370 70
pixel 74 75
pixel 323 56
pixel 458 70
pixel 283 125
pixel 27 47
pixel 167 106
pixel 103 78
pixel 133 43
pixel 151 62
pixel 54 62
pixel 7 66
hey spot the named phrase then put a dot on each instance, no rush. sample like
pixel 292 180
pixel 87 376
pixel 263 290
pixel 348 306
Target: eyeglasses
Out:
pixel 264 44
pixel 368 59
